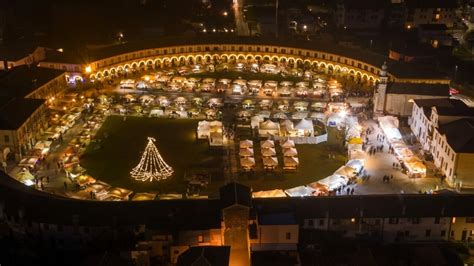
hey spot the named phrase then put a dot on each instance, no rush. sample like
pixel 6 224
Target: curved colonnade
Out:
pixel 175 56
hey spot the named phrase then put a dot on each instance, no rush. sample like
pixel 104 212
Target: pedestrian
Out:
pixel 391 177
pixel 47 179
pixel 348 191
pixel 352 191
pixel 393 165
pixel 42 186
pixel 92 194
pixel 65 186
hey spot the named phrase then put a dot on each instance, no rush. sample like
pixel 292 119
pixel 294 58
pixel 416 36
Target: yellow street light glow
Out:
pixel 88 69
pixel 225 13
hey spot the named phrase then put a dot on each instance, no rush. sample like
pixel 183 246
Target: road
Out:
pixel 242 27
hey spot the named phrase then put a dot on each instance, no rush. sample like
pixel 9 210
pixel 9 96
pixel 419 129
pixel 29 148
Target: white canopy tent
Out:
pixel 333 182
pixel 267 144
pixel 290 152
pixel 269 128
pixel 268 152
pixel 301 191
pixel 288 144
pixel 346 171
pixel 276 193
pixel 246 144
pixel 305 127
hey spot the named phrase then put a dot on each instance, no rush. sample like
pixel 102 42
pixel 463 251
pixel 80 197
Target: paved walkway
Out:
pixel 381 164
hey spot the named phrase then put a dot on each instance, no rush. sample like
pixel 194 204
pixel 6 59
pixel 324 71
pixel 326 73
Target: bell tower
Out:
pixel 380 91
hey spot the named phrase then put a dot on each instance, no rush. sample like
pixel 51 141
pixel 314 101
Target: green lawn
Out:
pixel 315 164
pixel 123 148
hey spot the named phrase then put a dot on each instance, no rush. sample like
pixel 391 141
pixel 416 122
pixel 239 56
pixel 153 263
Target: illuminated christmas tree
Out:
pixel 151 166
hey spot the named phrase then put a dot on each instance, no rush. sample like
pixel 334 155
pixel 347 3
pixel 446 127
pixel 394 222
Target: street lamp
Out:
pixel 88 69
pixel 225 13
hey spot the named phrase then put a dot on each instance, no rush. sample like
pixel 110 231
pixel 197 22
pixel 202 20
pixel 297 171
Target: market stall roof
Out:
pixel 83 180
pixel 291 161
pixel 268 152
pixel 357 165
pixel 287 124
pixel 267 143
pixel 276 193
pixel 144 196
pixel 301 104
pixel 280 115
pixel 99 186
pixel 305 124
pixel 301 191
pixel 264 114
pixel 288 144
pixel 246 152
pixel 346 171
pixel 255 121
pixel 246 144
pixel 270 161
pixel 300 115
pixel 333 181
pixel 269 125
pixel 290 152
pixel 121 193
pixel 247 161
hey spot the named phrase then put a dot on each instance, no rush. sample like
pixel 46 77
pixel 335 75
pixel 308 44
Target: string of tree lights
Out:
pixel 151 167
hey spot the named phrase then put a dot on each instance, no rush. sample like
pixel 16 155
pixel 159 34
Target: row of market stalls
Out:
pixel 212 131
pixel 268 155
pixel 168 81
pixel 321 187
pixel 411 162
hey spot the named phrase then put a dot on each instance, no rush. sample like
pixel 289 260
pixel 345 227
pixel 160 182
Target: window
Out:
pixel 200 238
pixel 321 222
pixel 311 222
pixel 288 236
pixel 443 233
pixel 407 233
pixel 469 220
pixel 377 221
pixel 336 221
pixel 175 251
pixel 428 233
pixel 6 138
pixel 60 228
pixel 436 220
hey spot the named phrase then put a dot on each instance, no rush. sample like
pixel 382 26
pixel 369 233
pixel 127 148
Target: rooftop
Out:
pixel 16 52
pixel 277 219
pixel 460 135
pixel 15 112
pixel 205 255
pixel 418 89
pixel 431 3
pixel 23 80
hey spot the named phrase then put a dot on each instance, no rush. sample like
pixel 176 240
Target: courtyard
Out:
pixel 122 143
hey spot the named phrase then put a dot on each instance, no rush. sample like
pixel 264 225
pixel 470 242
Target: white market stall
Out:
pixel 276 193
pixel 269 128
pixel 301 191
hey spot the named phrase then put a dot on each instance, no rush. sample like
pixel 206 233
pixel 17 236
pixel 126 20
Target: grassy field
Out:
pixel 123 148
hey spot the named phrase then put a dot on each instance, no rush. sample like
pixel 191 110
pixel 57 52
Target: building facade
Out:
pixel 444 129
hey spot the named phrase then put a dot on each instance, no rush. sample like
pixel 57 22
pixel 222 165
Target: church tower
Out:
pixel 380 91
